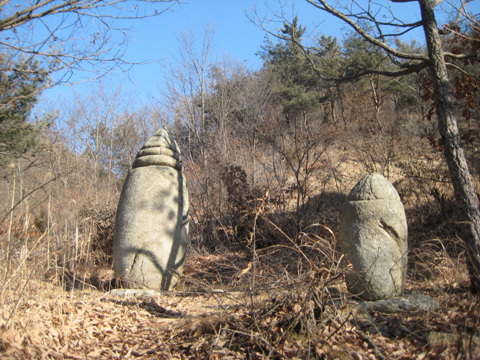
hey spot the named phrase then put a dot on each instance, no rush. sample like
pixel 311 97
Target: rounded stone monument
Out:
pixel 373 237
pixel 151 226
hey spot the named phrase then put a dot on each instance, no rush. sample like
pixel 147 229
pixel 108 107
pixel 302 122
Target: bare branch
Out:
pixel 461 56
pixel 463 71
pixel 322 5
pixel 73 35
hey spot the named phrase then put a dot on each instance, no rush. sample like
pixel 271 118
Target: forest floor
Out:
pixel 280 300
pixel 250 317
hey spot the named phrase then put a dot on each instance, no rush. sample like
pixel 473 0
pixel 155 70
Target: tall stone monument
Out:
pixel 373 237
pixel 151 227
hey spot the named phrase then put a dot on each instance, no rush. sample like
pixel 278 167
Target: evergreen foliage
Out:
pixel 21 83
pixel 298 82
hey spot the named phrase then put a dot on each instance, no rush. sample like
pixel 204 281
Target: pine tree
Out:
pixel 298 83
pixel 21 83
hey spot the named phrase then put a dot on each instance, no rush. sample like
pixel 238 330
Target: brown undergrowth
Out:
pixel 254 287
pixel 271 303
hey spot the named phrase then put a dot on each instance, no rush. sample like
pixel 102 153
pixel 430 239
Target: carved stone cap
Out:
pixel 373 187
pixel 159 150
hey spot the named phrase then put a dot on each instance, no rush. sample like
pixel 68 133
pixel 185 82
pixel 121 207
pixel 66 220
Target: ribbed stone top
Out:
pixel 159 150
pixel 373 187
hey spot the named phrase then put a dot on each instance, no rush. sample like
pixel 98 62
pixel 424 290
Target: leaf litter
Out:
pixel 308 317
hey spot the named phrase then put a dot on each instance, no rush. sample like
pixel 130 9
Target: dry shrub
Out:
pixel 48 230
pixel 325 208
pixel 284 310
pixel 305 315
pixel 267 257
pixel 440 262
pixel 427 193
pixel 100 223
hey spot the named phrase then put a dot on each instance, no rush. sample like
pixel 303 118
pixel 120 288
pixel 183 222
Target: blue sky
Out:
pixel 154 40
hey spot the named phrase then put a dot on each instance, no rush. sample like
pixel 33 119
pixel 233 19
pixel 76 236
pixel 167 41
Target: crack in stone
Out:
pixel 389 229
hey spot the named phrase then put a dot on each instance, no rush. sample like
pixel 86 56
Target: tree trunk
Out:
pixel 457 165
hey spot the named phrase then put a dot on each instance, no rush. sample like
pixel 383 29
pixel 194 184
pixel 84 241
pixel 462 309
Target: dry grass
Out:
pixel 241 306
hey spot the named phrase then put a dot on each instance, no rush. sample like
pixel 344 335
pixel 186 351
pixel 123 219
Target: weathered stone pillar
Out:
pixel 373 237
pixel 151 227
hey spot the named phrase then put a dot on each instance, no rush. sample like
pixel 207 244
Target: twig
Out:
pixel 220 303
pixel 337 329
pixel 17 302
pixel 14 206
pixel 272 348
pixel 20 266
pixel 371 344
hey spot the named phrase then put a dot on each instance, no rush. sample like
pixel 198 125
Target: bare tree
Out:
pixel 364 18
pixel 187 84
pixel 65 36
pixel 184 101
